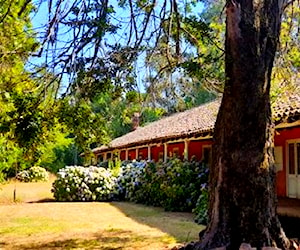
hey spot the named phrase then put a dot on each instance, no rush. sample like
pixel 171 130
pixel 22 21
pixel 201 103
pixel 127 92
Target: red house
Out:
pixel 189 133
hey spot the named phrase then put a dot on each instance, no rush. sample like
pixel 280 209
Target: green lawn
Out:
pixel 31 224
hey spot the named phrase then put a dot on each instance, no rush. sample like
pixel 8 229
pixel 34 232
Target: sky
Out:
pixel 40 19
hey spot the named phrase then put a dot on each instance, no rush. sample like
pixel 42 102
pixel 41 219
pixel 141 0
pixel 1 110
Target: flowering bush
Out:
pixel 76 183
pixel 174 185
pixel 150 191
pixel 129 179
pixel 201 209
pixel 33 174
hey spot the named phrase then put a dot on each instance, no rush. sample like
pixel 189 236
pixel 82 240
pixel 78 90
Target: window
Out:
pixel 278 158
pixel 294 158
pixel 108 156
pixel 161 156
pixel 207 155
pixel 100 158
pixel 175 152
pixel 141 155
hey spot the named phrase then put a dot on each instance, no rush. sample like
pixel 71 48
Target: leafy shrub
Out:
pixel 150 192
pixel 33 174
pixel 2 177
pixel 76 183
pixel 201 209
pixel 174 185
pixel 129 179
pixel 177 184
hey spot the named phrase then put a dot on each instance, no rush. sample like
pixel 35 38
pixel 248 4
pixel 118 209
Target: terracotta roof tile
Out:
pixel 196 120
pixel 286 106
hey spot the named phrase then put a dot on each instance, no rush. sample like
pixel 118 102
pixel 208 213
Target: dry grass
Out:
pixel 29 224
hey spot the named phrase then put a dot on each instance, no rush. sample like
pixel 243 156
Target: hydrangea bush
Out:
pixel 174 185
pixel 129 179
pixel 201 209
pixel 33 174
pixel 76 183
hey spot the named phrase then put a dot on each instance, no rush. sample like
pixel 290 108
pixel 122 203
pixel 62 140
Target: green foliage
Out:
pixel 33 174
pixel 205 64
pixel 118 112
pixel 115 167
pixel 129 179
pixel 59 154
pixel 27 113
pixel 286 70
pixel 84 125
pixel 76 183
pixel 201 209
pixel 150 114
pixel 9 152
pixel 174 185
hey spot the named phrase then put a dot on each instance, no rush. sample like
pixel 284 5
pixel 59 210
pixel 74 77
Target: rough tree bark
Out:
pixel 242 176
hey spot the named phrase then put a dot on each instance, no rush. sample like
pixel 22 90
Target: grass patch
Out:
pixel 179 225
pixel 119 239
pixel 26 192
pixel 27 226
pixel 30 224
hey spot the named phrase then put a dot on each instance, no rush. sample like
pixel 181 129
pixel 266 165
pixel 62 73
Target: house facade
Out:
pixel 189 134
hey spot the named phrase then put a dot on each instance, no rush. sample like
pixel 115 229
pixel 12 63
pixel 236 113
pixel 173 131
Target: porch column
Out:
pixel 186 149
pixel 165 151
pixel 126 154
pixel 136 153
pixel 149 152
pixel 104 156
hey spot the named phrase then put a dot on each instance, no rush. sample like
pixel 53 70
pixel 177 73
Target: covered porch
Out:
pixel 289 207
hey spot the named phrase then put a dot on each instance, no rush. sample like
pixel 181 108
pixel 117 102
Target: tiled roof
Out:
pixel 197 120
pixel 286 106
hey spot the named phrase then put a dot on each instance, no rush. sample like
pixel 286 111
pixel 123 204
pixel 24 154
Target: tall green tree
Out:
pixel 16 45
pixel 27 114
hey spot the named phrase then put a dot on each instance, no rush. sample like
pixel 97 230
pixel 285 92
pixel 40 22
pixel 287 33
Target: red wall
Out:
pixel 123 155
pixel 281 136
pixel 195 148
pixel 143 153
pixel 132 154
pixel 179 147
pixel 155 150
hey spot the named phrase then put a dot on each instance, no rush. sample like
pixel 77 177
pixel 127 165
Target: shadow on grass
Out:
pixel 107 240
pixel 43 200
pixel 179 225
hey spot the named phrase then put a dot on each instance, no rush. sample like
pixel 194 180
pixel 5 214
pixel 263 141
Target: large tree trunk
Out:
pixel 242 176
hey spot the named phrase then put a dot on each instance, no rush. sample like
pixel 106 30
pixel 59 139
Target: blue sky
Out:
pixel 40 19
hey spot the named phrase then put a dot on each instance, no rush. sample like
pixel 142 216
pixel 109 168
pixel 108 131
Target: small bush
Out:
pixel 33 174
pixel 201 209
pixel 76 183
pixel 150 191
pixel 175 184
pixel 129 179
